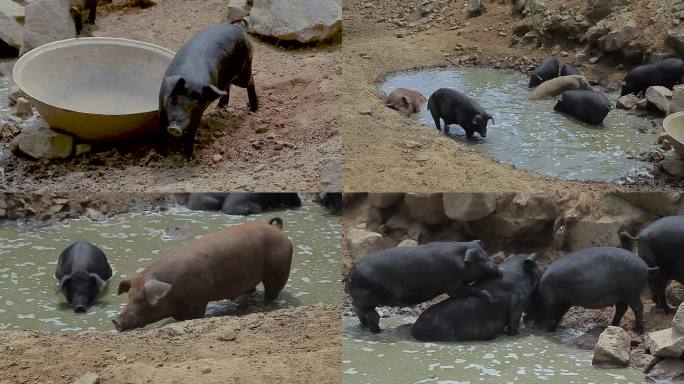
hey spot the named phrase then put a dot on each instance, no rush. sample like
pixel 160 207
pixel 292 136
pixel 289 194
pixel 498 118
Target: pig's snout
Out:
pixel 118 325
pixel 80 308
pixel 175 131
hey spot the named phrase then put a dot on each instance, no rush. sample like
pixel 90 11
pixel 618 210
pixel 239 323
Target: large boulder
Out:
pixel 677 103
pixel 426 208
pixel 526 217
pixel 628 102
pixel 11 23
pixel 40 142
pixel 665 343
pixel 46 21
pixel 617 39
pixel 655 203
pixel 668 371
pixel 659 97
pixel 475 8
pixel 469 206
pixel 675 40
pixel 296 20
pixel 612 348
pixel 599 9
pixel 362 242
pixel 678 319
pixel 675 294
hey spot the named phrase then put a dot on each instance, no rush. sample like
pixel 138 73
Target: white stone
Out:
pixel 11 23
pixel 40 142
pixel 612 348
pixel 362 242
pixel 46 21
pixel 469 206
pixel 296 20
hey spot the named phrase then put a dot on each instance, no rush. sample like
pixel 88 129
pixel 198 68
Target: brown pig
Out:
pixel 226 264
pixel 406 101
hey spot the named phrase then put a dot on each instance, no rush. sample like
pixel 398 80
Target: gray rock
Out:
pixel 88 378
pixel 15 93
pixel 296 20
pixel 475 8
pixel 47 21
pixel 674 167
pixel 659 97
pixel 83 148
pixel 408 243
pixel 40 142
pixel 362 242
pixel 612 348
pixel 599 9
pixel 668 371
pixel 675 40
pixel 617 39
pixel 643 104
pixel 23 108
pixel 238 9
pixel 95 215
pixel 11 23
pixel 675 293
pixel 469 206
pixel 665 343
pixel 627 102
pixel 677 103
pixel 678 319
pixel 426 208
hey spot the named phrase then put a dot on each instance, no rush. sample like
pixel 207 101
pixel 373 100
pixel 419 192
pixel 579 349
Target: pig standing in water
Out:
pixel 226 264
pixel 661 244
pixel 202 71
pixel 411 275
pixel 547 71
pixel 83 272
pixel 456 108
pixel 406 101
pixel 473 318
pixel 587 105
pixel 591 278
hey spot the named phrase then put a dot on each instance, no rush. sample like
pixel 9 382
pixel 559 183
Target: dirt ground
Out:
pixel 301 345
pixel 375 154
pixel 292 143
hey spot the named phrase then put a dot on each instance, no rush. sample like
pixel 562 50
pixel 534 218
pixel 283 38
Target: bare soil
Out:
pixel 376 157
pixel 301 345
pixel 292 143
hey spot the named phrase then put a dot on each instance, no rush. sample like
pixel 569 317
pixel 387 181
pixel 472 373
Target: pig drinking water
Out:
pixel 226 264
pixel 83 272
pixel 456 108
pixel 661 244
pixel 591 278
pixel 202 71
pixel 473 318
pixel 411 275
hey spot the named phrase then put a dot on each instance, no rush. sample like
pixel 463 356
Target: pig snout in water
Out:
pixel 409 276
pixel 83 272
pixel 201 72
pixel 226 264
pixel 456 108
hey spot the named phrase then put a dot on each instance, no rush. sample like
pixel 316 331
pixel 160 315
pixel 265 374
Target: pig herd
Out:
pixel 575 95
pixel 486 300
pixel 226 264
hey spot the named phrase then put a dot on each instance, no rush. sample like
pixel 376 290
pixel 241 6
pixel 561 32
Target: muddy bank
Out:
pixel 301 345
pixel 291 143
pixel 384 39
pixel 55 207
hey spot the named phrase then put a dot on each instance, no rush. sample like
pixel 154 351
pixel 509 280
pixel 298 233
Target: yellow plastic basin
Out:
pixel 95 88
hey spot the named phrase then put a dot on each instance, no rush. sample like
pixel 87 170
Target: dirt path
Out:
pixel 286 346
pixel 376 156
pixel 291 143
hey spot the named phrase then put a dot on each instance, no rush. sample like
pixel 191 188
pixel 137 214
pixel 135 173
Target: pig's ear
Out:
pixel 210 92
pixel 65 279
pixel 101 284
pixel 176 84
pixel 155 290
pixel 471 255
pixel 124 286
pixel 406 100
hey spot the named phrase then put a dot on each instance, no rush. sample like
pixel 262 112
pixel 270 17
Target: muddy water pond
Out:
pixel 28 258
pixel 393 356
pixel 530 134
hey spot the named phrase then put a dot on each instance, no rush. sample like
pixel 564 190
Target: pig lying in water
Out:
pixel 83 272
pixel 202 71
pixel 226 264
pixel 406 101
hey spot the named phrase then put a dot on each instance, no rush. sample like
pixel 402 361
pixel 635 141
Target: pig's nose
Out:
pixel 175 131
pixel 80 309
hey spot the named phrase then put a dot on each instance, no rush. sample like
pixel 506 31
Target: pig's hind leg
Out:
pixel 223 101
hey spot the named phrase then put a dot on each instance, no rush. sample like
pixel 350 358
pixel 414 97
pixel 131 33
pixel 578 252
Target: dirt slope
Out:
pixel 287 346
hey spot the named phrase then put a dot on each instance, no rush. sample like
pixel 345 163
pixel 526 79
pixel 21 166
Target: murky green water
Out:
pixel 394 357
pixel 28 258
pixel 529 134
